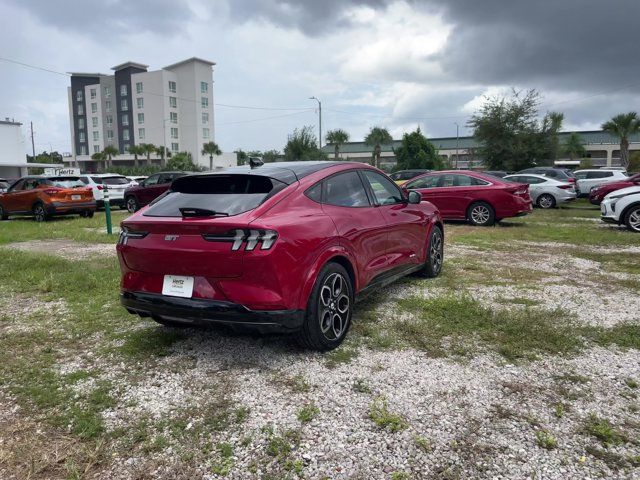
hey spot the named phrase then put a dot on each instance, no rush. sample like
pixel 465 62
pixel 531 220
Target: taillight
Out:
pixel 571 180
pixel 126 233
pixel 564 187
pixel 266 238
pixel 99 187
pixel 51 191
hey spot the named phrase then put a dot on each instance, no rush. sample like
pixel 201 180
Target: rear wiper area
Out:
pixel 188 212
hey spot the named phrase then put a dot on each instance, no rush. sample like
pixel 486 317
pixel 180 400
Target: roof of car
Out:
pixel 287 172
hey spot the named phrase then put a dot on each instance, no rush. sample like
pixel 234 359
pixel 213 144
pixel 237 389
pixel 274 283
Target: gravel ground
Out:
pixel 67 249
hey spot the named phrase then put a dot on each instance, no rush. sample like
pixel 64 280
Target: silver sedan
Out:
pixel 545 192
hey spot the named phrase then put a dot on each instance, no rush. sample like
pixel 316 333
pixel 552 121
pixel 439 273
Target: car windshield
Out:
pixel 64 182
pixel 224 194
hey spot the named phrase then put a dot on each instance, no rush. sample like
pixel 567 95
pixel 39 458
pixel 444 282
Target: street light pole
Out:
pixel 319 120
pixel 457 143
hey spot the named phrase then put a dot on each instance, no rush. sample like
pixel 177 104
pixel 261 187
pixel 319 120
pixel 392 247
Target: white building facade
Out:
pixel 171 107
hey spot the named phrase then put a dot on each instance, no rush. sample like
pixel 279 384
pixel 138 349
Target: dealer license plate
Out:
pixel 177 286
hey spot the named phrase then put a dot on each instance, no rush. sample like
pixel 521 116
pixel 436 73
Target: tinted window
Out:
pixel 115 180
pixel 425 182
pixel 467 181
pixel 84 180
pixel 345 190
pixel 230 194
pixel 165 178
pixel 602 174
pixel 152 180
pixel 580 175
pixel 315 193
pixel 63 182
pixel 17 186
pixel 385 191
pixel 30 183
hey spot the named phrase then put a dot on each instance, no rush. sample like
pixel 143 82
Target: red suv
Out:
pixel 597 194
pixel 287 246
pixel 149 189
pixel 476 197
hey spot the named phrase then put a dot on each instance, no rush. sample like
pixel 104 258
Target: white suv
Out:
pixel 116 184
pixel 587 179
pixel 622 207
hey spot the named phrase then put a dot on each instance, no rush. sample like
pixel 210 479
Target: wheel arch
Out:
pixel 623 214
pixel 478 200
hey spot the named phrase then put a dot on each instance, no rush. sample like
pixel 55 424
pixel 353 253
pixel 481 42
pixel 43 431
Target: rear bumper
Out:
pixel 203 312
pixel 62 208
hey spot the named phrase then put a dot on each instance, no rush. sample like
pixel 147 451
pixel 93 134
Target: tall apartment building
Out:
pixel 172 107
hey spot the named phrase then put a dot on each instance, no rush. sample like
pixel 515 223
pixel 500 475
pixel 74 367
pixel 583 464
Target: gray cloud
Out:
pixel 109 18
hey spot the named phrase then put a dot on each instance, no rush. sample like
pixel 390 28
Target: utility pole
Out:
pixel 319 120
pixel 457 143
pixel 33 145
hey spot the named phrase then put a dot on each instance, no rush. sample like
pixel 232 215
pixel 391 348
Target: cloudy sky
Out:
pixel 397 64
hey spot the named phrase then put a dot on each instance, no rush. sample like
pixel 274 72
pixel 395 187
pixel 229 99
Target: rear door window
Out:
pixel 345 190
pixel 152 180
pixel 384 190
pixel 219 194
pixel 425 182
pixel 115 180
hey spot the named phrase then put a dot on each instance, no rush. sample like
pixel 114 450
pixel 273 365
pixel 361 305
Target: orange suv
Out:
pixel 45 196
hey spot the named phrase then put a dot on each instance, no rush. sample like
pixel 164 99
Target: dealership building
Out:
pixel 602 148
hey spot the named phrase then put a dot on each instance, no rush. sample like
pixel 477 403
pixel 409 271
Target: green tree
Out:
pixel 109 152
pixel 508 131
pixel 242 156
pixel 574 147
pixel 622 126
pixel 634 162
pixel 551 126
pixel 135 150
pixel 337 137
pixel 211 149
pixel 163 152
pixel 415 151
pixel 147 149
pixel 182 161
pixel 377 137
pixel 302 144
pixel 270 156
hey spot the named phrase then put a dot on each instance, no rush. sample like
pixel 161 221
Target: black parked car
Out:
pixel 402 176
pixel 496 173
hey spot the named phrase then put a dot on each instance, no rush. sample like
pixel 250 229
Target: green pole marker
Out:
pixel 107 209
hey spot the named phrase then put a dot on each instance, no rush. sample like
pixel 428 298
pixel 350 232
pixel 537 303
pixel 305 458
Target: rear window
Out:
pixel 114 180
pixel 63 182
pixel 224 194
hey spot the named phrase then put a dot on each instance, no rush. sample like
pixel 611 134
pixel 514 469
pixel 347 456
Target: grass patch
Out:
pixel 545 440
pixel 386 420
pixel 361 386
pixel 340 356
pixel 308 413
pixel 424 444
pixel 604 431
pixel 631 383
pixel 515 334
pixel 150 342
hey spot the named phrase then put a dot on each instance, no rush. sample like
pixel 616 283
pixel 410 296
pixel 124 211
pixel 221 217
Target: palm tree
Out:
pixel 574 147
pixel 623 126
pixel 135 150
pixel 147 149
pixel 377 136
pixel 338 137
pixel 109 152
pixel 211 149
pixel 163 151
pixel 552 124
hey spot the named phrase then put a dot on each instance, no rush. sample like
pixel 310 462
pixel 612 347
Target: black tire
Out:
pixel 87 214
pixel 632 219
pixel 546 200
pixel 435 254
pixel 3 216
pixel 331 297
pixel 39 213
pixel 481 214
pixel 131 204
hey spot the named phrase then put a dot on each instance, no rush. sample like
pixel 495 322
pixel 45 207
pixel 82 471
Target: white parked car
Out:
pixel 116 184
pixel 545 192
pixel 136 179
pixel 594 177
pixel 622 207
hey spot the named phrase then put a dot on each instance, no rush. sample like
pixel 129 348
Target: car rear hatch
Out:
pixel 200 227
pixel 116 185
pixel 67 190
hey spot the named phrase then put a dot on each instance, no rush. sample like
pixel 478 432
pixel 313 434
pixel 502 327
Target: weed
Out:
pixel 602 429
pixel 384 419
pixel 361 386
pixel 545 440
pixel 559 410
pixel 399 475
pixel 631 383
pixel 308 413
pixel 340 356
pixel 423 444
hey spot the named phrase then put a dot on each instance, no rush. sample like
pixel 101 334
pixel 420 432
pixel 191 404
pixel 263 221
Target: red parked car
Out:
pixel 478 198
pixel 288 247
pixel 597 194
pixel 149 189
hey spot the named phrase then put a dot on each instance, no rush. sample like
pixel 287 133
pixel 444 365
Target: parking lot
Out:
pixel 521 360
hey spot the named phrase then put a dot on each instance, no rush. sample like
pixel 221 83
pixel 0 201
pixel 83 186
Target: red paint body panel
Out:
pixel 371 240
pixel 597 194
pixel 508 199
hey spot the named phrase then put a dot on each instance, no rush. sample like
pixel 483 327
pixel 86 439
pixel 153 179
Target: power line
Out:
pixel 396 116
pixel 34 66
pixel 263 118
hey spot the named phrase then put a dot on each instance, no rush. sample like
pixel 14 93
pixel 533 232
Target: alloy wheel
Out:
pixel 480 214
pixel 545 201
pixel 634 220
pixel 39 213
pixel 334 306
pixel 132 205
pixel 436 251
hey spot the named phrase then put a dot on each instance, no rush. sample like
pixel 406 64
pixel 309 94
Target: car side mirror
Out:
pixel 414 197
